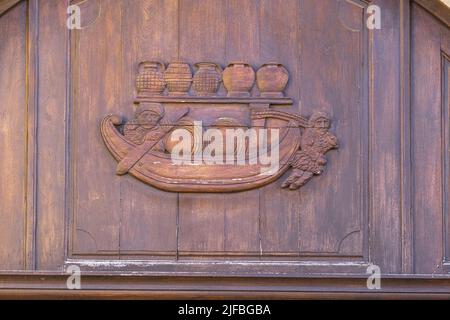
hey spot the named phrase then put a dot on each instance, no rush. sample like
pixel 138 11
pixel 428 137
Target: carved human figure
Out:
pixel 309 160
pixel 147 120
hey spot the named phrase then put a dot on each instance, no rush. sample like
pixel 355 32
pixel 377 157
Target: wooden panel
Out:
pixel 52 113
pixel 201 223
pixel 206 33
pixel 242 44
pixel 280 38
pixel 202 38
pixel 229 221
pixel 279 24
pixel 148 221
pixel 202 30
pixel 13 141
pixel 111 215
pixel 149 216
pixel 331 220
pixel 97 81
pixel 384 141
pixel 426 143
pixel 242 214
pixel 307 224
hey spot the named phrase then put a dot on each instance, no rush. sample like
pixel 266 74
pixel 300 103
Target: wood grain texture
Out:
pixel 320 86
pixel 148 216
pixel 384 131
pixel 437 9
pixel 50 19
pixel 427 143
pixel 13 138
pixel 32 123
pixel 405 136
pixel 242 211
pixel 202 30
pixel 5 5
pixel 279 211
pixel 366 208
pixel 207 34
pixel 110 286
pixel 96 86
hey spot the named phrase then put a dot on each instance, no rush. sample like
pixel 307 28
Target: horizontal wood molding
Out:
pixel 53 285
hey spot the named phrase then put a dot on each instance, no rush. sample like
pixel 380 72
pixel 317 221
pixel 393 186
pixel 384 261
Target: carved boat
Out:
pixel 157 168
pixel 144 151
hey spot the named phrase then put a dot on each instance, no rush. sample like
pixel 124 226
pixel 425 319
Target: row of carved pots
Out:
pixel 238 79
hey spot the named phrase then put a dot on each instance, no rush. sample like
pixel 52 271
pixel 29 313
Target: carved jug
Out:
pixel 150 79
pixel 272 79
pixel 178 77
pixel 238 79
pixel 207 79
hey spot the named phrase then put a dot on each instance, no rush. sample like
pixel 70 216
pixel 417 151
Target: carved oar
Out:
pixel 137 153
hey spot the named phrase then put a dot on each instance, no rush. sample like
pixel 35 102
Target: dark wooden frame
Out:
pixel 46 285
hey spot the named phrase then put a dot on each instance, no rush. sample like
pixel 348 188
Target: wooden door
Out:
pixel 368 206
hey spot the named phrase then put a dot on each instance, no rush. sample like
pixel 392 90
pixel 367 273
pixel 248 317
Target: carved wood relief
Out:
pixel 121 217
pixel 144 146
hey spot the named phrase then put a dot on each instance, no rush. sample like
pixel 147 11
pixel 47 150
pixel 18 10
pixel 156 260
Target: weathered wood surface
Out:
pixel 382 199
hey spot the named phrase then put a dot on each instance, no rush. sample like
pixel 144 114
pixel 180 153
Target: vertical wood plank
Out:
pixel 202 30
pixel 405 127
pixel 279 24
pixel 149 216
pixel 242 209
pixel 427 142
pixel 279 223
pixel 385 138
pixel 279 27
pixel 13 142
pixel 32 142
pixel 333 67
pixel 201 224
pixel 242 31
pixel 51 136
pixel 242 229
pixel 202 27
pixel 149 220
pixel 97 91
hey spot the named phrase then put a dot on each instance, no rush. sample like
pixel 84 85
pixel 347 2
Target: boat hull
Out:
pixel 158 169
